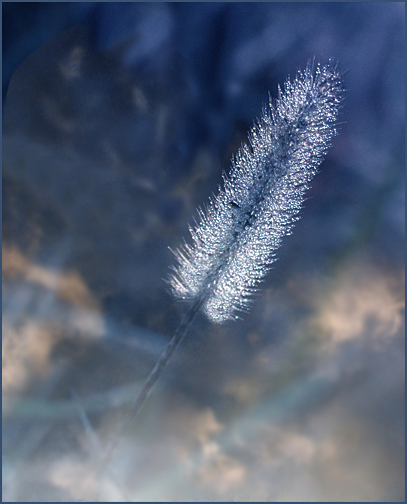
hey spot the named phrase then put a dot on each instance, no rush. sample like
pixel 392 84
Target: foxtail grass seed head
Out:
pixel 235 239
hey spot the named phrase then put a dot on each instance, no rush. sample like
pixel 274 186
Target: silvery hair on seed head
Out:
pixel 238 232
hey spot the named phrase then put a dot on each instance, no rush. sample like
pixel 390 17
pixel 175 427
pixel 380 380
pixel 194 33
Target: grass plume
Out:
pixel 239 231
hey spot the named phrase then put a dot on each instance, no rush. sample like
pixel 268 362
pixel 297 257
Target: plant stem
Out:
pixel 150 382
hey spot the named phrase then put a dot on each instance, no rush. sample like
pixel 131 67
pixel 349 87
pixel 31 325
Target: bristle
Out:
pixel 236 238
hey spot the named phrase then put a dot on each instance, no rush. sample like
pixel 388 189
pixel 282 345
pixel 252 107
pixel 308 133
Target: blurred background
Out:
pixel 118 120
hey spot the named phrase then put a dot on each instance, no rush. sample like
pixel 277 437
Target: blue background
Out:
pixel 118 120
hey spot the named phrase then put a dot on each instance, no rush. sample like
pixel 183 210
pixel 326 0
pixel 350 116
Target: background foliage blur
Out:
pixel 118 120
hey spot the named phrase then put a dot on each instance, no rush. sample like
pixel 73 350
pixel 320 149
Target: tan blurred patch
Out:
pixel 68 473
pixel 278 446
pixel 194 431
pixel 68 285
pixel 363 302
pixel 195 427
pixel 298 447
pixel 73 474
pixel 13 262
pixel 25 353
pixel 39 305
pixel 243 390
pixel 222 474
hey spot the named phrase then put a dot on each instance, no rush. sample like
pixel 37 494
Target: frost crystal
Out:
pixel 239 231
